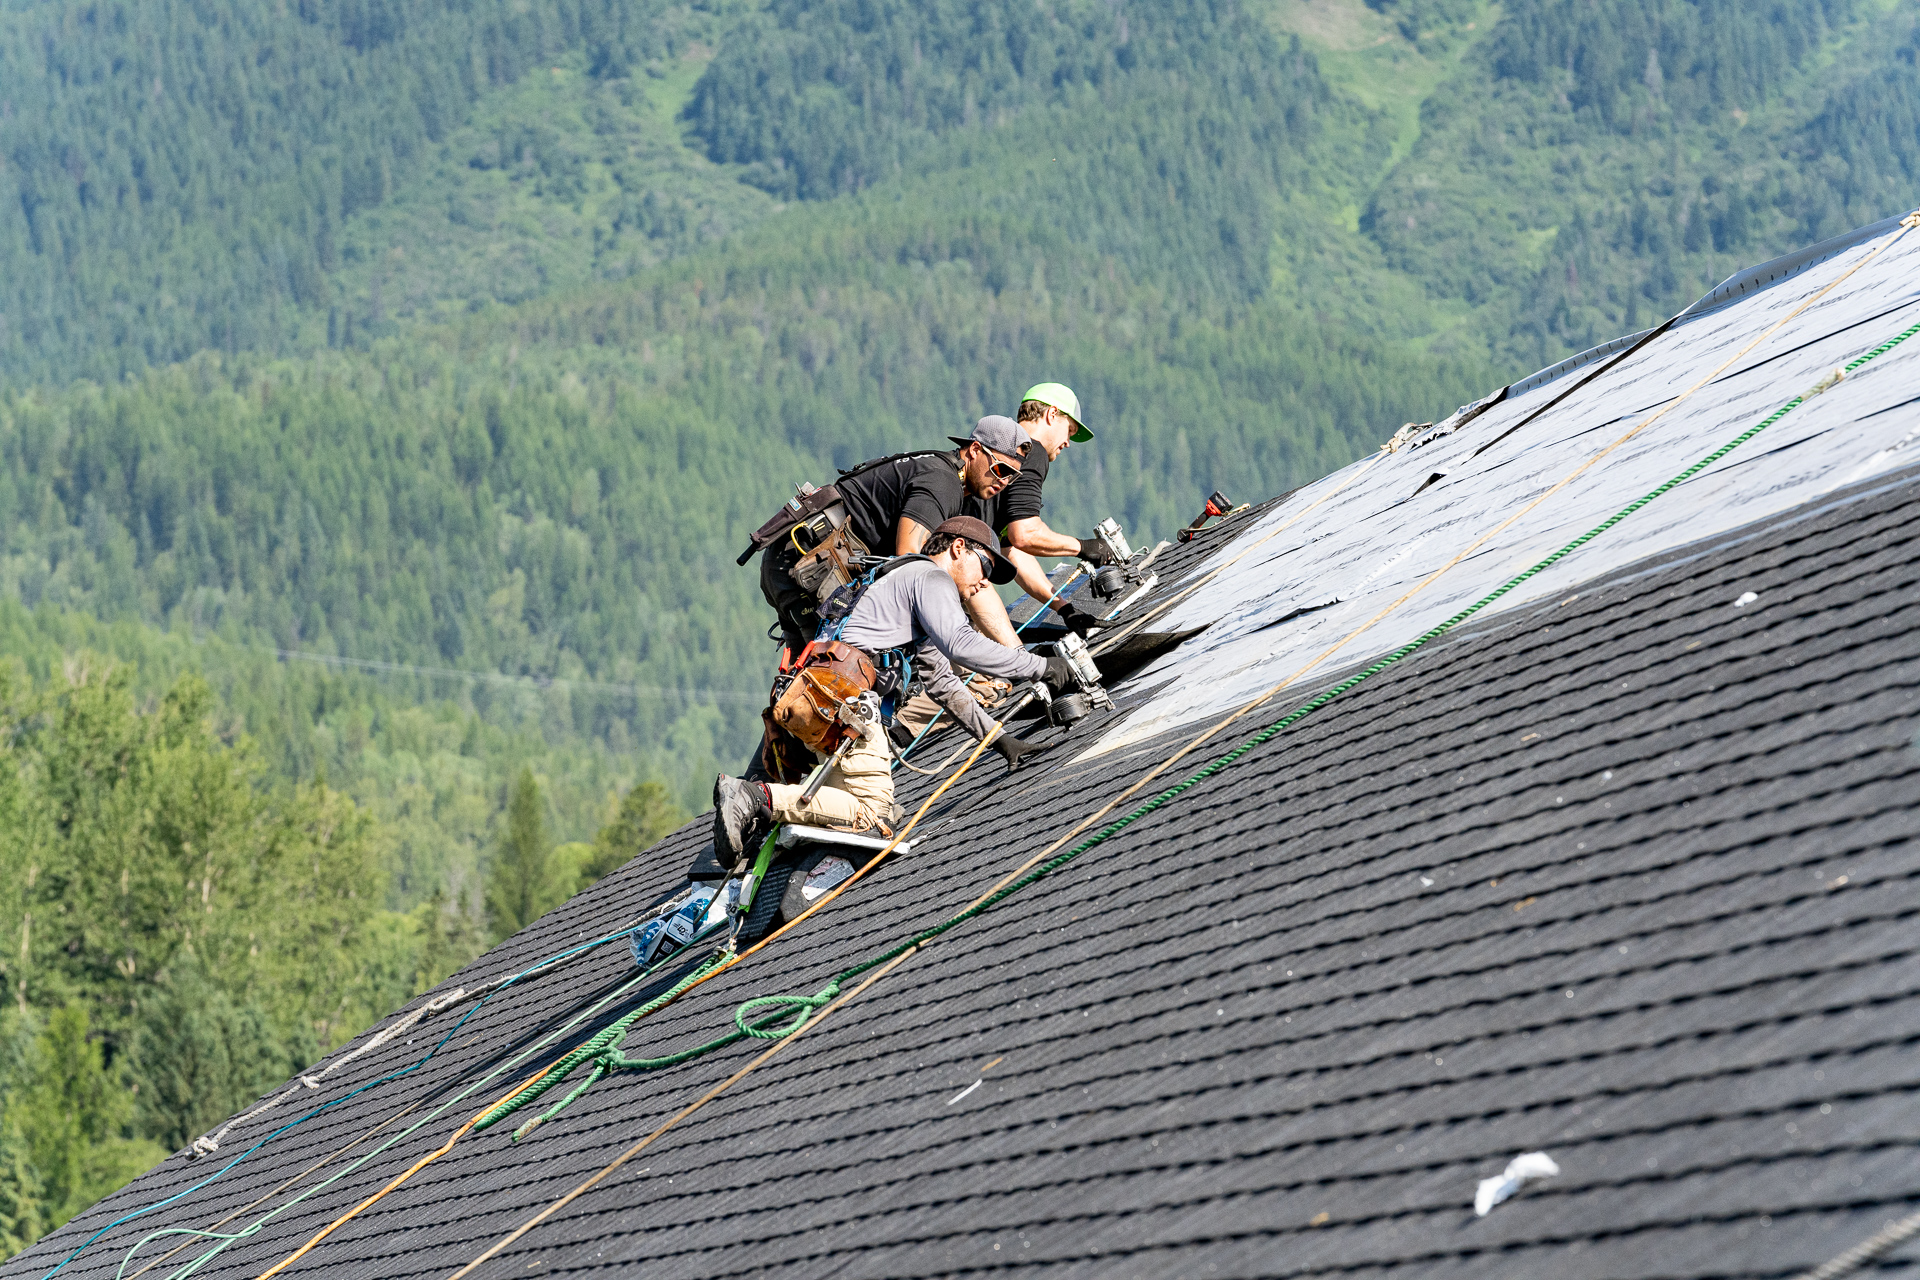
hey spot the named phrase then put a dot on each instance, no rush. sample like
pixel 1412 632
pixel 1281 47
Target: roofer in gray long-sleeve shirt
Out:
pixel 915 605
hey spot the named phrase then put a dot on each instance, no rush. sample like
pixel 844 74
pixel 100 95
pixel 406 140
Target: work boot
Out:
pixel 742 816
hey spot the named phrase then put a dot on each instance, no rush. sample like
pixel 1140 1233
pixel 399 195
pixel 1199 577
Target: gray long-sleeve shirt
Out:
pixel 917 604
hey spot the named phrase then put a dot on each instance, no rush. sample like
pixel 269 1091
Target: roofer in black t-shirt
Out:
pixel 886 507
pixel 1050 415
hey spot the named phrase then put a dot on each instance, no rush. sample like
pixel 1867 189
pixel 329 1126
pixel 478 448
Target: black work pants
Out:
pixel 795 606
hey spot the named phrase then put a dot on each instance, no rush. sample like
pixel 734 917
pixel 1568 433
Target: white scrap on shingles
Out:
pixel 964 1092
pixel 1746 598
pixel 1520 1170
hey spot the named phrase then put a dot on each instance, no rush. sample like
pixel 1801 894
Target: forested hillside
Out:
pixel 386 388
pixel 1615 160
pixel 185 174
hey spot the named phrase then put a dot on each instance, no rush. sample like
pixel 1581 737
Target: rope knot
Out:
pixel 204 1147
pixel 789 1013
pixel 312 1082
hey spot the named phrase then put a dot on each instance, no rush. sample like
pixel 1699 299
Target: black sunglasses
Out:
pixel 986 562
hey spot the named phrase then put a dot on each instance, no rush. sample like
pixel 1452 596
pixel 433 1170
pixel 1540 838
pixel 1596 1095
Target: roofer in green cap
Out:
pixel 1050 415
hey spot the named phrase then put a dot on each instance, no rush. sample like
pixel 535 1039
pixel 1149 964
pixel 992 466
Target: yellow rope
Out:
pixel 842 887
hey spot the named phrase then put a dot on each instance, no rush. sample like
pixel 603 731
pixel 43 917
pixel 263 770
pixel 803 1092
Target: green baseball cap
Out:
pixel 1061 397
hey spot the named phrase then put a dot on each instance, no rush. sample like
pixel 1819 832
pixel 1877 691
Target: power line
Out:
pixel 497 677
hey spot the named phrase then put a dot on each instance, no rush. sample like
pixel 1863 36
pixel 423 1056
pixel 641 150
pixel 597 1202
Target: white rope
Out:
pixel 1867 1250
pixel 209 1144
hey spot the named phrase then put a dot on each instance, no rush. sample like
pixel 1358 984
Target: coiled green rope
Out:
pixel 792 1012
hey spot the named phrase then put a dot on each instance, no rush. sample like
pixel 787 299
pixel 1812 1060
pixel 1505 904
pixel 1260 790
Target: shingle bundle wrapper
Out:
pixel 1520 1170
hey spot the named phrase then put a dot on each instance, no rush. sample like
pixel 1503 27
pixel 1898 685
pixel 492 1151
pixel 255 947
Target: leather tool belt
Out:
pixel 818 510
pixel 827 674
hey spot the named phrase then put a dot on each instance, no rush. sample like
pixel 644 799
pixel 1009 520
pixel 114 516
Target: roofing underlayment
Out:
pixel 1621 869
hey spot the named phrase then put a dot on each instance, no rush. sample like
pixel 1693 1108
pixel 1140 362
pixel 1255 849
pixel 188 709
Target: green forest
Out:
pixel 386 387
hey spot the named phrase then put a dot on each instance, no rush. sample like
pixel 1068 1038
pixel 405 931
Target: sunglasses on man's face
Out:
pixel 1004 470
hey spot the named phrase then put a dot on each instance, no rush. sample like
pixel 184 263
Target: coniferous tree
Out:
pixel 78 1117
pixel 520 885
pixel 201 1056
pixel 450 938
pixel 647 814
pixel 20 1195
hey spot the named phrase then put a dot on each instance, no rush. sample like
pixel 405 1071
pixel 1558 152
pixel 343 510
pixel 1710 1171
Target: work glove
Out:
pixel 1095 552
pixel 1059 676
pixel 1013 750
pixel 1077 620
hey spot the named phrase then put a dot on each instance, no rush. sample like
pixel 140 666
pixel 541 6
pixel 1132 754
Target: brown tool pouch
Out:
pixel 827 675
pixel 829 565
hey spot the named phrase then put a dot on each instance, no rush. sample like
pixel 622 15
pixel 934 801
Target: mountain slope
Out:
pixel 625 286
pixel 182 171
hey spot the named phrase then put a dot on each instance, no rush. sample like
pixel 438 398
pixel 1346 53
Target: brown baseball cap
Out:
pixel 976 532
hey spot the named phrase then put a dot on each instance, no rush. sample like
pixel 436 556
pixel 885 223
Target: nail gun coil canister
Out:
pixel 1069 709
pixel 1109 582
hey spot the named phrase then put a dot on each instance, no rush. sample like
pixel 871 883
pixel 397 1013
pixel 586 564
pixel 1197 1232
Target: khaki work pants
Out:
pixel 917 714
pixel 856 796
pixel 920 710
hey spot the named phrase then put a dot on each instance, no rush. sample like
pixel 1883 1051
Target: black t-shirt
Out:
pixel 926 488
pixel 1020 500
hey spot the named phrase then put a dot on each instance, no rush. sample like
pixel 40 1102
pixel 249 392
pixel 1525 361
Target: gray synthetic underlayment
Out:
pixel 1733 289
pixel 1396 524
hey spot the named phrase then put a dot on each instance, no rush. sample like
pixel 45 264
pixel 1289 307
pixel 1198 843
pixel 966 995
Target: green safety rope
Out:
pixel 791 1013
pixel 597 1047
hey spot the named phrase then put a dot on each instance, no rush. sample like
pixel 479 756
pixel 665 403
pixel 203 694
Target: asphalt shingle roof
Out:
pixel 1627 875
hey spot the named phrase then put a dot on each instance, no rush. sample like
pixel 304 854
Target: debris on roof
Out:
pixel 1519 1171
